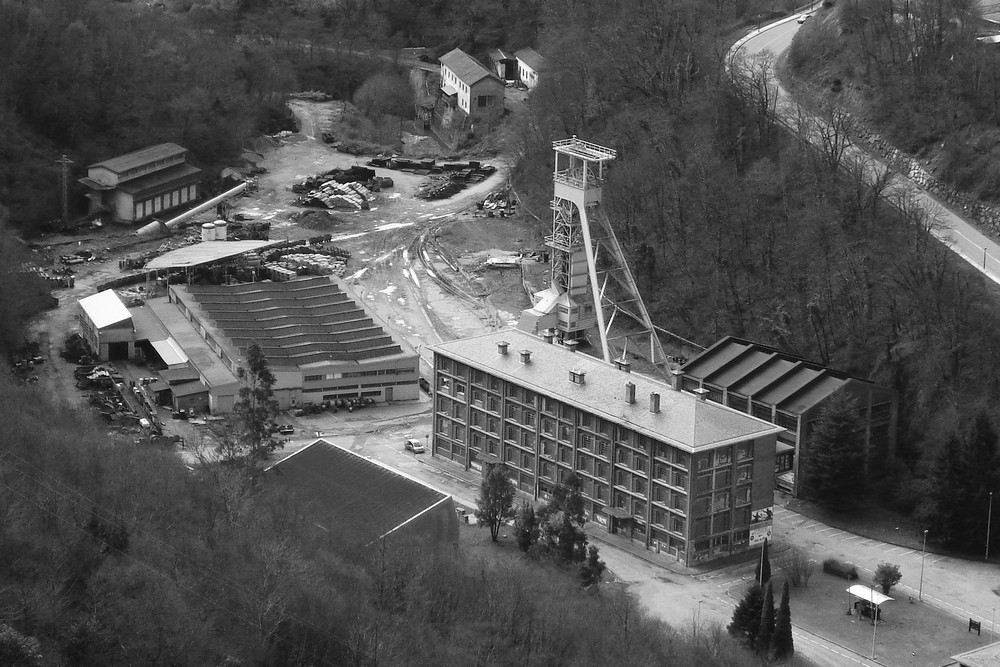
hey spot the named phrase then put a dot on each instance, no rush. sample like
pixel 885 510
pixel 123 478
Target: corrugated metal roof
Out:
pixel 105 309
pixel 170 352
pixel 465 67
pixel 163 180
pixel 140 157
pixel 205 253
pixel 789 382
pixel 358 497
pixel 531 58
pixel 683 420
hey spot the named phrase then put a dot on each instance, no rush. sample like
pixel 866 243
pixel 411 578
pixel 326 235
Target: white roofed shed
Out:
pixel 106 326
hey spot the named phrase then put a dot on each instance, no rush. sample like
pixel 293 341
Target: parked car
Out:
pixel 803 18
pixel 425 385
pixel 414 445
pixel 840 569
pixel 286 429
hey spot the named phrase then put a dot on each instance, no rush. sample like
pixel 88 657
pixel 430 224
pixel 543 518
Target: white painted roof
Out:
pixel 869 594
pixel 105 309
pixel 205 252
pixel 170 352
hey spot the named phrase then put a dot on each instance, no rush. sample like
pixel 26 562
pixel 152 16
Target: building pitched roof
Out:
pixel 466 68
pixel 143 156
pixel 984 656
pixel 683 420
pixel 205 252
pixel 768 375
pixel 161 181
pixel 531 58
pixel 105 309
pixel 352 494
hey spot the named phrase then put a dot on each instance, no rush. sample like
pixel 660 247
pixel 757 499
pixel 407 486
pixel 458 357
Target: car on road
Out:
pixel 286 429
pixel 414 445
pixel 425 385
pixel 803 18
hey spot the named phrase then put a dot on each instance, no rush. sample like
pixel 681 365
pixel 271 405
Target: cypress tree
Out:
pixel 834 459
pixel 762 573
pixel 782 645
pixel 765 632
pixel 746 616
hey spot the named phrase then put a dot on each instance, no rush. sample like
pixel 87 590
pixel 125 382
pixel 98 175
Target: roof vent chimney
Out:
pixel 654 402
pixel 548 335
pixel 629 393
pixel 571 345
pixel 676 378
pixel 624 365
pixel 525 356
pixel 701 393
pixel 502 347
pixel 576 376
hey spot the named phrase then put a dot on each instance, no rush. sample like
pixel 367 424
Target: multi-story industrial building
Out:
pixel 684 476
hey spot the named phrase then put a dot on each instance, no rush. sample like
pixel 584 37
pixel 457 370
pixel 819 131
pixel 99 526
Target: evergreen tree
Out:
pixel 765 631
pixel 969 468
pixel 526 527
pixel 495 504
pixel 762 573
pixel 568 497
pixel 746 617
pixel 592 568
pixel 247 436
pixel 782 645
pixel 834 460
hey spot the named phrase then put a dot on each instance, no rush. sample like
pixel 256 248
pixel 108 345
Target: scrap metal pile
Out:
pixel 502 202
pixel 447 178
pixel 341 187
pixel 304 259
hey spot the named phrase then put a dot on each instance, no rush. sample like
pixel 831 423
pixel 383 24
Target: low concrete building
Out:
pixel 791 391
pixel 106 326
pixel 143 183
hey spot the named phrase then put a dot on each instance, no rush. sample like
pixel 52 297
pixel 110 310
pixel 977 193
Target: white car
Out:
pixel 803 17
pixel 414 445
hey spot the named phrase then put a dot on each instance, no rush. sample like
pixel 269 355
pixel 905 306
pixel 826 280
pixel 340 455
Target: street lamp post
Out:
pixel 989 520
pixel 923 556
pixel 874 609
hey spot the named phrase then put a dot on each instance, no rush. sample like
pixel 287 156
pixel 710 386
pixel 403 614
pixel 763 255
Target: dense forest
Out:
pixel 736 227
pixel 918 74
pixel 113 554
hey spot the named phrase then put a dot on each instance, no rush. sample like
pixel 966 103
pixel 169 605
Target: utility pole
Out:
pixel 65 162
pixel 989 520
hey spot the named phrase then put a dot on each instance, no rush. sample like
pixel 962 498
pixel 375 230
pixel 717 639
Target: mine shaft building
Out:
pixel 681 475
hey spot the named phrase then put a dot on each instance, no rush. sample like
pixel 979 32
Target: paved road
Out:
pixel 969 243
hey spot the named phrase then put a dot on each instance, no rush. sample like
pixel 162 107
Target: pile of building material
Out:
pixel 440 188
pixel 335 195
pixel 501 202
pixel 353 174
pixel 249 230
pixel 313 264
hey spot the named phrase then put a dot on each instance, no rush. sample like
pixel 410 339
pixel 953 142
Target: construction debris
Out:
pixel 335 195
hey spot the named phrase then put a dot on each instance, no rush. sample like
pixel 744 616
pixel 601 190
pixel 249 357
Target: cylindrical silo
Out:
pixel 220 230
pixel 208 232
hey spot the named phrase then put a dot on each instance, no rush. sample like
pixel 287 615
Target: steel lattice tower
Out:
pixel 591 284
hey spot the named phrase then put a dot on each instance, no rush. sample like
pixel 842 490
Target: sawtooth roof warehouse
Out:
pixel 686 477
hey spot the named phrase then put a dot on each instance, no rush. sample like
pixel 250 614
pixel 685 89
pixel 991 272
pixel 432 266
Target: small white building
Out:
pixel 470 87
pixel 529 66
pixel 106 326
pixel 143 183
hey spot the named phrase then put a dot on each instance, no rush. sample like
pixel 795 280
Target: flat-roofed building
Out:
pixel 106 326
pixel 679 474
pixel 791 391
pixel 143 183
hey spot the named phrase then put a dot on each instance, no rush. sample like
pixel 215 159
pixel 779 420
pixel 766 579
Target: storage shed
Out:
pixel 106 326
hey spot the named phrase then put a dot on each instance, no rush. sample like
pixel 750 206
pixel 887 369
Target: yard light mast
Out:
pixel 875 624
pixel 989 520
pixel 923 556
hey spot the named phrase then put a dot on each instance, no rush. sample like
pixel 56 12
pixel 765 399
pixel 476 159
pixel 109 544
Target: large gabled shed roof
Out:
pixel 466 68
pixel 105 309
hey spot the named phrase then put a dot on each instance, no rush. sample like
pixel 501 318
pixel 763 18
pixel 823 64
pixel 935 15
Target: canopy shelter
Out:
pixel 867 599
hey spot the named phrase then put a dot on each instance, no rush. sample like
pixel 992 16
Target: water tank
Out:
pixel 220 230
pixel 208 232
